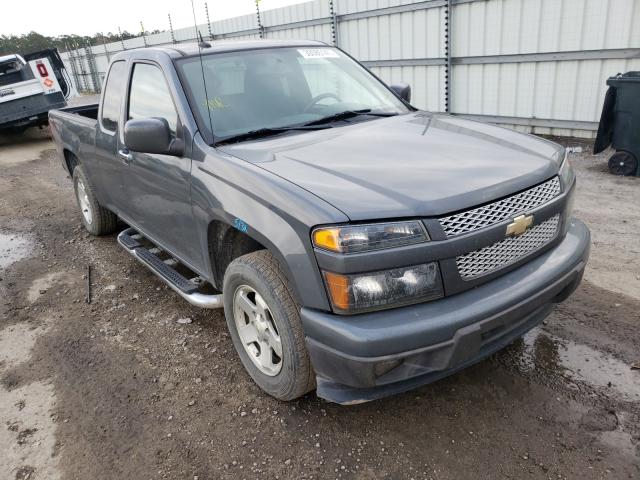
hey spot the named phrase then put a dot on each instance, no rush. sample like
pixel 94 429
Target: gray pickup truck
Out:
pixel 358 246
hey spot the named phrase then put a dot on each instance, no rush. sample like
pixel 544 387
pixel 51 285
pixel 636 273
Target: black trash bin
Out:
pixel 620 124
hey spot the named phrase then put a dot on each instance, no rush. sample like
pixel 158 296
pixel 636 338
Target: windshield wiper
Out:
pixel 318 124
pixel 349 114
pixel 267 132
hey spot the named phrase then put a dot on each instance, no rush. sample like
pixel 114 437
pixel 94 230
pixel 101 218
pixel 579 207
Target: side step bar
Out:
pixel 187 289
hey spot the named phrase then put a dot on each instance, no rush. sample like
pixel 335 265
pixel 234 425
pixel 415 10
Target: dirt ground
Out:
pixel 119 389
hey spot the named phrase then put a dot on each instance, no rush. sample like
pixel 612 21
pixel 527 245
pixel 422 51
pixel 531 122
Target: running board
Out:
pixel 130 240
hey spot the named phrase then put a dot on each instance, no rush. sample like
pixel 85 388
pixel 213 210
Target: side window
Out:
pixel 150 96
pixel 113 96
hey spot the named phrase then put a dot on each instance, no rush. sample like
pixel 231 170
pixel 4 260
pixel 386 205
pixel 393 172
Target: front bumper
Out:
pixel 370 356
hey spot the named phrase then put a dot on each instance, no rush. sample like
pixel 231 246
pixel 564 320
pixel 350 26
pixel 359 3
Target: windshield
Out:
pixel 13 71
pixel 250 90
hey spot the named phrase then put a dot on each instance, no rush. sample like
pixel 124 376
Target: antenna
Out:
pixel 202 44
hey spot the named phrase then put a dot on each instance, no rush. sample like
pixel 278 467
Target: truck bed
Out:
pixel 74 130
pixel 88 111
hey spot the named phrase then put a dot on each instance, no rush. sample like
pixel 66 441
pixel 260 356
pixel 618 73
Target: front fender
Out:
pixel 267 208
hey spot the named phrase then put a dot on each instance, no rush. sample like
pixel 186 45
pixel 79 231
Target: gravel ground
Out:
pixel 119 388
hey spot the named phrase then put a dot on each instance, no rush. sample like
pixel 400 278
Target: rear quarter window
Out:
pixel 113 93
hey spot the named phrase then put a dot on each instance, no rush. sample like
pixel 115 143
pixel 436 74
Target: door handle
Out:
pixel 125 155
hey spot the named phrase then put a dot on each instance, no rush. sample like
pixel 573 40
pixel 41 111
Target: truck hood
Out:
pixel 418 164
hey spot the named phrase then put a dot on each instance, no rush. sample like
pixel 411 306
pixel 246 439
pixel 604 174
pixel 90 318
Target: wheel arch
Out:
pixel 227 242
pixel 71 160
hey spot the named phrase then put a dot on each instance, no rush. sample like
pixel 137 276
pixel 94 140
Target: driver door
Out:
pixel 157 187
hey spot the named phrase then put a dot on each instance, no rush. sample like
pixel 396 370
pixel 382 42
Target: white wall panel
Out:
pixel 495 27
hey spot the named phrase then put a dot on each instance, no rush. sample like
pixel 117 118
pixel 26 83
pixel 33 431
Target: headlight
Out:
pixel 359 238
pixel 567 174
pixel 356 293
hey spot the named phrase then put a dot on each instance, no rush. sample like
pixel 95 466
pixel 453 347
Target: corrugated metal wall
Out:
pixel 537 65
pixel 392 42
pixel 546 89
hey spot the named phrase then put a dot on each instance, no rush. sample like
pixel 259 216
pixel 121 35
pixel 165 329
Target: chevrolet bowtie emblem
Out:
pixel 519 225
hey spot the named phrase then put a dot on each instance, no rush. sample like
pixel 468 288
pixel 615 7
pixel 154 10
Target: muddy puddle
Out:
pixel 579 363
pixel 13 247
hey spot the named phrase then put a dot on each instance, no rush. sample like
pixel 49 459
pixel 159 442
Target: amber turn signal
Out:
pixel 327 238
pixel 338 286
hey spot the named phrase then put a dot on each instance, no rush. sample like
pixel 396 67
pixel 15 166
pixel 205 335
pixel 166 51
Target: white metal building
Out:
pixel 537 65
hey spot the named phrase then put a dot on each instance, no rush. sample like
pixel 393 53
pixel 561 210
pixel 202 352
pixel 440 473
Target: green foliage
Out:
pixel 33 41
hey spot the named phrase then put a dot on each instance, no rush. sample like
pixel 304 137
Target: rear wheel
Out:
pixel 96 219
pixel 623 163
pixel 264 322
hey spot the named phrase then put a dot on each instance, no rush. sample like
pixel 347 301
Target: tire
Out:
pixel 96 219
pixel 623 163
pixel 259 272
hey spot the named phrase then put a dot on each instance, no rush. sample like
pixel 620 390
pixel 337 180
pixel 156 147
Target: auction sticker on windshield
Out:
pixel 318 53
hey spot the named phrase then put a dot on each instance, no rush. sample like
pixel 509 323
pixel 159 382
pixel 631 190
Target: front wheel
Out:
pixel 264 322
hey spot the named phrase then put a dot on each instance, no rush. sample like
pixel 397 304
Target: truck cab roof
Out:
pixel 192 48
pixel 11 63
pixel 12 57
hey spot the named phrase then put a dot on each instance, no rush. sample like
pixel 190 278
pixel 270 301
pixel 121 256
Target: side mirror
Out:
pixel 151 135
pixel 403 90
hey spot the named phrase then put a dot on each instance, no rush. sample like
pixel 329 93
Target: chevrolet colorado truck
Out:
pixel 358 246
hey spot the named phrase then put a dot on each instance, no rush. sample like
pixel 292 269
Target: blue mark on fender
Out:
pixel 240 225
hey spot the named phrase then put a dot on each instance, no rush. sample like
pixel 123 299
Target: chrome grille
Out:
pixel 507 251
pixel 496 212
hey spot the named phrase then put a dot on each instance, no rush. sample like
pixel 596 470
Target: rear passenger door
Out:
pixel 157 187
pixel 105 167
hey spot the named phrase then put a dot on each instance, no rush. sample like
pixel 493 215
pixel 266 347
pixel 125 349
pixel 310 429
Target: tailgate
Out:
pixel 27 107
pixel 15 91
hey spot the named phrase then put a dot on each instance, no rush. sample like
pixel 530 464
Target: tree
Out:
pixel 33 41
